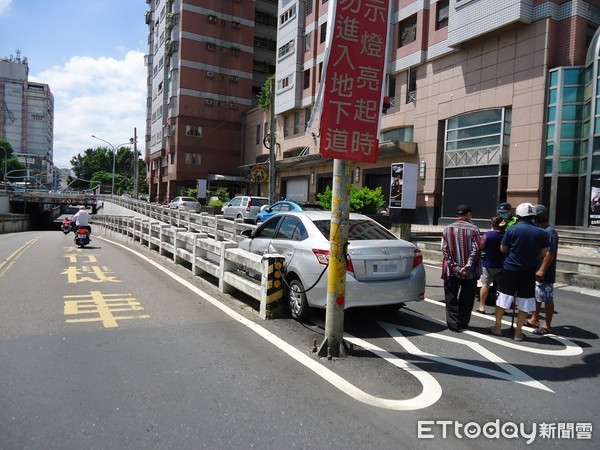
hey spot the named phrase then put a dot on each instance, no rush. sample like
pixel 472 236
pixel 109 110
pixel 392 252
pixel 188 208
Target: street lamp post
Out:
pixel 112 189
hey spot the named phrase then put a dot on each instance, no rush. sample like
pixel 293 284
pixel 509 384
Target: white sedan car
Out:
pixel 382 270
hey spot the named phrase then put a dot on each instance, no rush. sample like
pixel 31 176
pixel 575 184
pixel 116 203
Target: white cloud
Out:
pixel 4 6
pixel 105 97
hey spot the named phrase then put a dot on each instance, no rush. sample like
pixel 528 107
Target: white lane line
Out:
pixel 509 372
pixel 570 348
pixel 420 401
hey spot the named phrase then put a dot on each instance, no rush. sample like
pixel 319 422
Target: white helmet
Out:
pixel 525 210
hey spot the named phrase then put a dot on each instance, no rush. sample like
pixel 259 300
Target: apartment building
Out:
pixel 26 117
pixel 492 100
pixel 207 61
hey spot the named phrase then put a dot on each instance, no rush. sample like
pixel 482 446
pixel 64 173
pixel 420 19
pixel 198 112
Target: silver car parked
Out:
pixel 382 270
pixel 244 207
pixel 185 204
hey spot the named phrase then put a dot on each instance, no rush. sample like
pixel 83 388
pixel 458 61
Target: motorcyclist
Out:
pixel 82 219
pixel 67 225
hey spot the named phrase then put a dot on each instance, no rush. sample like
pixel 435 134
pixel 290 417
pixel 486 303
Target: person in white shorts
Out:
pixel 523 244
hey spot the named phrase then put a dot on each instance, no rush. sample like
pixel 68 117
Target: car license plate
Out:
pixel 81 235
pixel 385 267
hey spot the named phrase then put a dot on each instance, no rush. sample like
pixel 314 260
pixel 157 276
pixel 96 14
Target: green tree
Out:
pixel 264 96
pixel 96 164
pixel 364 200
pixel 12 163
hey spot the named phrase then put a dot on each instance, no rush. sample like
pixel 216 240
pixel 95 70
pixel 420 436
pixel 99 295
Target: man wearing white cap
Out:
pixel 523 243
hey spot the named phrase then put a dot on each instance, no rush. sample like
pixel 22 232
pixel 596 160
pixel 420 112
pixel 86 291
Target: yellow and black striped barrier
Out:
pixel 275 285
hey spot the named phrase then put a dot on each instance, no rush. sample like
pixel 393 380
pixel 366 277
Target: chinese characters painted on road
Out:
pixel 354 80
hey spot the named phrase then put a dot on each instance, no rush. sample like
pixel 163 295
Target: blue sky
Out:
pixel 91 54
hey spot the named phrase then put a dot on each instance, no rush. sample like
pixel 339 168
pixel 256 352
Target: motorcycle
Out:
pixel 82 236
pixel 66 226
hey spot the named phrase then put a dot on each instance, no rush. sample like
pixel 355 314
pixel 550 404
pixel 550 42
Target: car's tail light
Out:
pixel 323 259
pixel 417 258
pixel 249 205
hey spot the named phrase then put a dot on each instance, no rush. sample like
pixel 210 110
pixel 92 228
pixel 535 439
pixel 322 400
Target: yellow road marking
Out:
pixel 8 262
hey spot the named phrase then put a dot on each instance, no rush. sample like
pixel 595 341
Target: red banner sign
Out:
pixel 354 80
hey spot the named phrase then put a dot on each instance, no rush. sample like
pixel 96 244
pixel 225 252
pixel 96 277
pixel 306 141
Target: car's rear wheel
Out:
pixel 297 303
pixel 239 216
pixel 258 221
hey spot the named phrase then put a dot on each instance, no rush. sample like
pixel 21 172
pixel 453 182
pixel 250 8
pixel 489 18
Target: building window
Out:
pixel 411 86
pixel 442 9
pixel 323 32
pixel 306 78
pixel 287 15
pixel 193 159
pixel 286 48
pixel 479 129
pixel 257 134
pixel 309 7
pixel 297 122
pixel 286 126
pixel 284 83
pixel 193 130
pixel 307 113
pixel 308 42
pixel 404 134
pixel 408 30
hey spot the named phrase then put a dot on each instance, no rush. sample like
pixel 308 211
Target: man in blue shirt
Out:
pixel 523 244
pixel 545 276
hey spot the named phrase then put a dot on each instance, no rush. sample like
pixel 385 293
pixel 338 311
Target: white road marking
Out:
pixel 422 400
pixel 571 349
pixel 510 372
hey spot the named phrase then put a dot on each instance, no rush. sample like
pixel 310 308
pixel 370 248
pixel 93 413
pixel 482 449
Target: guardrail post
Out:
pixel 272 286
pixel 226 266
pixel 195 251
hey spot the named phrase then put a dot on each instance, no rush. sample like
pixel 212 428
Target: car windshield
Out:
pixel 359 230
pixel 188 199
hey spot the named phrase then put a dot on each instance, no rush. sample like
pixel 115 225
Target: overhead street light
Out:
pixel 112 189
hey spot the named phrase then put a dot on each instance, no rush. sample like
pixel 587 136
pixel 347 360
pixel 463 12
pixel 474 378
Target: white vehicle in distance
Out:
pixel 382 270
pixel 244 207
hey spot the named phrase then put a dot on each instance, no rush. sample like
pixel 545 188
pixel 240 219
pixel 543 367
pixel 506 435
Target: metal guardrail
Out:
pixel 206 245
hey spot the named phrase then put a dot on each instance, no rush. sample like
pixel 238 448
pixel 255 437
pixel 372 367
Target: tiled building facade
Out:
pixel 470 84
pixel 207 61
pixel 27 117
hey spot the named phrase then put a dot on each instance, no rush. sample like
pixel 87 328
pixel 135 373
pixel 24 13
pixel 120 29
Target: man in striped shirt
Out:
pixel 461 268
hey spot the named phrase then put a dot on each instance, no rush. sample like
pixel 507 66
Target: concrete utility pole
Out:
pixel 333 345
pixel 272 174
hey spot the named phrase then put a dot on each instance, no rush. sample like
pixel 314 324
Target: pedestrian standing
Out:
pixel 493 259
pixel 545 277
pixel 505 213
pixel 461 268
pixel 523 244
